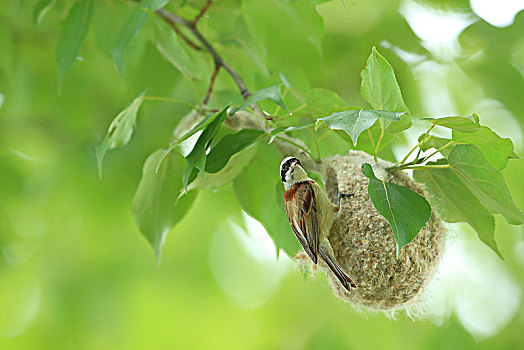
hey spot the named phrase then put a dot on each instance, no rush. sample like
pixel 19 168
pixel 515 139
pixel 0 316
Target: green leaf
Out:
pixel 227 174
pixel 403 124
pixel 456 203
pixel 435 142
pixel 200 126
pixel 256 190
pixel 496 149
pixel 157 207
pixel 379 86
pixel 196 159
pixel 355 121
pixel 462 124
pixel 484 181
pixel 230 145
pixel 406 211
pixel 271 93
pixel 286 129
pixel 167 43
pixel 72 36
pixel 322 102
pixel 133 26
pixel 120 130
pixel 41 9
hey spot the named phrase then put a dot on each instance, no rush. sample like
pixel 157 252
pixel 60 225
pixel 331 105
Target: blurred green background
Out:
pixel 76 273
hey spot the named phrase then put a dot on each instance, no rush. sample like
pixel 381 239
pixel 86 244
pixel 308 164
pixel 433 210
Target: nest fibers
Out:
pixel 364 245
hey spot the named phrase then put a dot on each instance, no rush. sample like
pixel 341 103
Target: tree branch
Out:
pixel 211 84
pixel 201 13
pixel 174 19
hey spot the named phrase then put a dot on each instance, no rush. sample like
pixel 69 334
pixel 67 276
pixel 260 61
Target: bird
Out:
pixel 311 214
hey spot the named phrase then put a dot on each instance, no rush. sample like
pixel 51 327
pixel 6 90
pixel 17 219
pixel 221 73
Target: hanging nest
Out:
pixel 364 245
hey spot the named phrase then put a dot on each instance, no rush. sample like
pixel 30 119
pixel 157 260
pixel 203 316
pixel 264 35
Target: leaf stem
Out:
pixel 417 145
pixel 316 142
pixel 372 145
pixel 298 146
pixel 437 151
pixel 169 99
pixel 381 135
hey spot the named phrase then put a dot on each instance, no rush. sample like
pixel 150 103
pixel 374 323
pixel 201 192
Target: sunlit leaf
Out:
pixel 227 174
pixel 462 124
pixel 133 26
pixel 255 189
pixel 403 124
pixel 406 211
pixel 271 93
pixel 196 159
pixel 454 202
pixel 72 35
pixel 496 149
pixel 157 204
pixel 355 121
pixel 484 181
pixel 228 146
pixel 120 130
pixel 379 85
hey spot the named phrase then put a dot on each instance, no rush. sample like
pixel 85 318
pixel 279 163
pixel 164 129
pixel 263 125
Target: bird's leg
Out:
pixel 330 260
pixel 345 195
pixel 342 195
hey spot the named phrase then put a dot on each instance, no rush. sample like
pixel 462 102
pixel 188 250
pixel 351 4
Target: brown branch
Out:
pixel 184 37
pixel 201 13
pixel 174 18
pixel 211 84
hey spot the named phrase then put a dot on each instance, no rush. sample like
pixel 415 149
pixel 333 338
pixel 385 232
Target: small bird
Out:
pixel 310 214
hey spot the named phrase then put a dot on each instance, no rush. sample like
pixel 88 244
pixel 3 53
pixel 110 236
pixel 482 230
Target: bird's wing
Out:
pixel 302 215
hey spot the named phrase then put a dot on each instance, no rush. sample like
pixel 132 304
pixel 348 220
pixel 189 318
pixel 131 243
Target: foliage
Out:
pixel 76 265
pixel 466 153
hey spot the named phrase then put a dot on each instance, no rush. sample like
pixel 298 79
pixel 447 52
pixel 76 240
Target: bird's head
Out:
pixel 291 172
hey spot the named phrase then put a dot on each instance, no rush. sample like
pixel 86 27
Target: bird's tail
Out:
pixel 336 268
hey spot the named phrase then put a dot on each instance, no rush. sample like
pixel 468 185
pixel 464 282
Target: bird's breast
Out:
pixel 291 193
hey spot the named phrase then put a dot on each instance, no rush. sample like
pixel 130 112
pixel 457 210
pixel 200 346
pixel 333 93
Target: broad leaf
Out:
pixel 255 189
pixel 169 46
pixel 157 207
pixel 403 124
pixel 271 93
pixel 286 129
pixel 227 174
pixel 462 124
pixel 355 121
pixel 379 86
pixel 406 211
pixel 120 130
pixel 321 102
pixel 72 35
pixel 496 149
pixel 484 181
pixel 230 145
pixel 196 159
pixel 133 26
pixel 456 203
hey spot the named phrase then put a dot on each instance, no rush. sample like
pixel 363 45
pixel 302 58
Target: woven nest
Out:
pixel 364 245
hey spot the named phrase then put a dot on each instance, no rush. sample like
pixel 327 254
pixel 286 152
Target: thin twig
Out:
pixel 211 83
pixel 183 36
pixel 201 13
pixel 174 18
